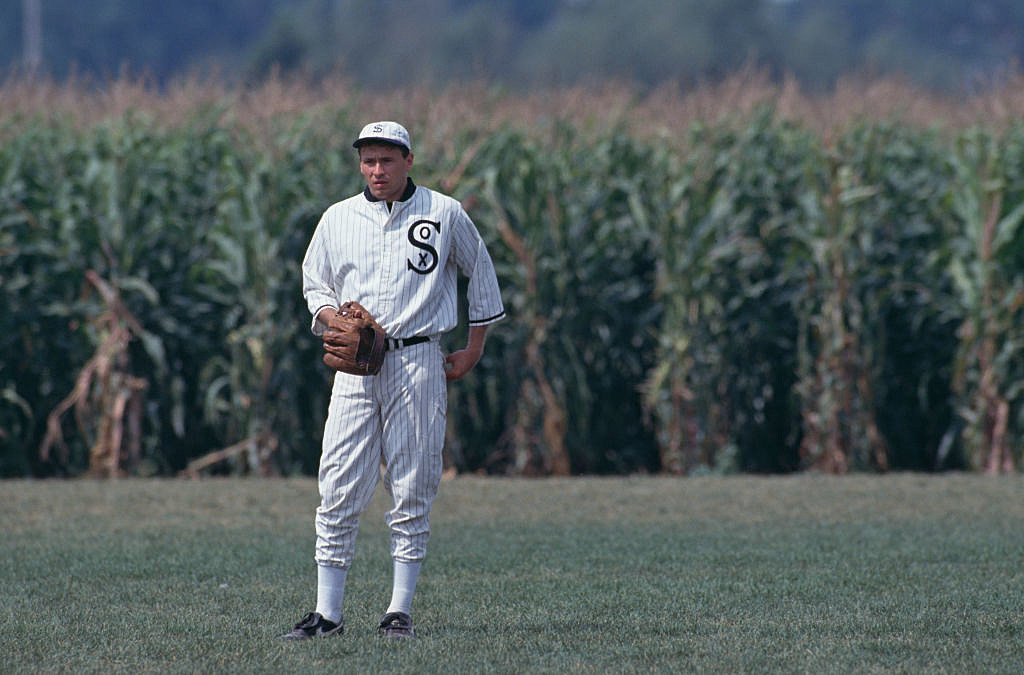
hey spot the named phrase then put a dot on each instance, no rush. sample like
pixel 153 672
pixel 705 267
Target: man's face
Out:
pixel 385 170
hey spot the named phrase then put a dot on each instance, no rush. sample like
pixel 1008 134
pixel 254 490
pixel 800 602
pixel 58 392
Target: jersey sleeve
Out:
pixel 317 288
pixel 473 260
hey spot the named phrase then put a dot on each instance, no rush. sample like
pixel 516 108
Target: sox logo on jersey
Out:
pixel 419 236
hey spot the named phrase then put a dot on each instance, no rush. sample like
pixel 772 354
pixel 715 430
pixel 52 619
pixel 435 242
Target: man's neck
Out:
pixel 410 188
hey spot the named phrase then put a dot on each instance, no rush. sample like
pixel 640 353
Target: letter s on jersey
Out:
pixel 419 236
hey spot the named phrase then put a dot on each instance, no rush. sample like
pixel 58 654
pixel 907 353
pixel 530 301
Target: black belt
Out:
pixel 391 344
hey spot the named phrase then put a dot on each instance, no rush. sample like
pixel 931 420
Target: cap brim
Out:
pixel 379 141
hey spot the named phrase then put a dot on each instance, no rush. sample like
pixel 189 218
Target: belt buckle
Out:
pixel 394 344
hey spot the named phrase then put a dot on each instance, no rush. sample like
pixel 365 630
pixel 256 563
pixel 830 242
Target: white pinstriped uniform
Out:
pixel 401 265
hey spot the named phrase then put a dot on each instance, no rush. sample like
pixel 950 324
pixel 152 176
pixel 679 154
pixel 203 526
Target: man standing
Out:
pixel 395 249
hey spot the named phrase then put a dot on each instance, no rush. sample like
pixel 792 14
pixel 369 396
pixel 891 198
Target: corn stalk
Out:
pixel 992 293
pixel 107 398
pixel 537 398
pixel 839 427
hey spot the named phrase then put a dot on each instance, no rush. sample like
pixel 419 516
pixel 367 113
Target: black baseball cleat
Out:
pixel 314 625
pixel 397 625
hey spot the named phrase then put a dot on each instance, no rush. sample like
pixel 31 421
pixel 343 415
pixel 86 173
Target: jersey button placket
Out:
pixel 387 264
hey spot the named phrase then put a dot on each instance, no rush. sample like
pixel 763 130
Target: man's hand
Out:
pixel 326 315
pixel 457 364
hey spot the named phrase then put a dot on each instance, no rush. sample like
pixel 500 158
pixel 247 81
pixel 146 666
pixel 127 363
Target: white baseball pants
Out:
pixel 397 418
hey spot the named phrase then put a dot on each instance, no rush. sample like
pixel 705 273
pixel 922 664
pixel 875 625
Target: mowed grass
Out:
pixel 899 573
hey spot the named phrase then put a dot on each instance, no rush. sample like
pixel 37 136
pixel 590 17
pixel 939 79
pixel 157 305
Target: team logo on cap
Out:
pixel 389 132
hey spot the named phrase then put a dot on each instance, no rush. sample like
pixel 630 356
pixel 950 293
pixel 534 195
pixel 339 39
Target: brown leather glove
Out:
pixel 354 342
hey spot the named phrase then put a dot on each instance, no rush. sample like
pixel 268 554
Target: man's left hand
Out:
pixel 461 362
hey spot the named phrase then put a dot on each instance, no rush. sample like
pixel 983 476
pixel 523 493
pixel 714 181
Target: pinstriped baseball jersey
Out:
pixel 401 263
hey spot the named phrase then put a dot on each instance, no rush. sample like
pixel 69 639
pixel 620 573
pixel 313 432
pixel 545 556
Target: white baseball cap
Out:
pixel 389 132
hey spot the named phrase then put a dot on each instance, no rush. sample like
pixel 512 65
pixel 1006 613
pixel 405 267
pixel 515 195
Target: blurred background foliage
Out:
pixel 756 293
pixel 948 45
pixel 750 235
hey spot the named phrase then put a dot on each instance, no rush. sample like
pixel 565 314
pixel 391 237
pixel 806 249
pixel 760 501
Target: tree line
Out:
pixel 947 45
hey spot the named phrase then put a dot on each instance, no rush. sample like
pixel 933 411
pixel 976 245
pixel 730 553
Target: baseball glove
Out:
pixel 354 341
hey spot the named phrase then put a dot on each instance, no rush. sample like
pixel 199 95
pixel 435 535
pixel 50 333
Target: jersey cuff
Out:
pixel 316 327
pixel 483 322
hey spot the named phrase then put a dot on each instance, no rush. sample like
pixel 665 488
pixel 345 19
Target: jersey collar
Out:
pixel 410 188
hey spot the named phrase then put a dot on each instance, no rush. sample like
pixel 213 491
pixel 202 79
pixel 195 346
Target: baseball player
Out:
pixel 395 249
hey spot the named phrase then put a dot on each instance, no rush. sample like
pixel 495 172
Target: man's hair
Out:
pixel 383 144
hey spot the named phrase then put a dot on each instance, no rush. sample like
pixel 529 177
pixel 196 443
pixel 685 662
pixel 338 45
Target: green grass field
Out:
pixel 901 573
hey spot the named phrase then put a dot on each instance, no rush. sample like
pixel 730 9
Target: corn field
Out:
pixel 742 292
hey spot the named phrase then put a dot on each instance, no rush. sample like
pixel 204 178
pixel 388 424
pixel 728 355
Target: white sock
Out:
pixel 404 586
pixel 330 591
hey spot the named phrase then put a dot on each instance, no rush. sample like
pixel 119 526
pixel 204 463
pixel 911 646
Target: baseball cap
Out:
pixel 389 132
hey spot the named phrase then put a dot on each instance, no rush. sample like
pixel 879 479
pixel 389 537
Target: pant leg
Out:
pixel 349 467
pixel 414 415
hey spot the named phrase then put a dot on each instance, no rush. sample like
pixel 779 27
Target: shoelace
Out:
pixel 394 621
pixel 308 621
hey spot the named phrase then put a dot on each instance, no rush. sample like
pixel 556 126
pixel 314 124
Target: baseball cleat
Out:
pixel 314 625
pixel 396 625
